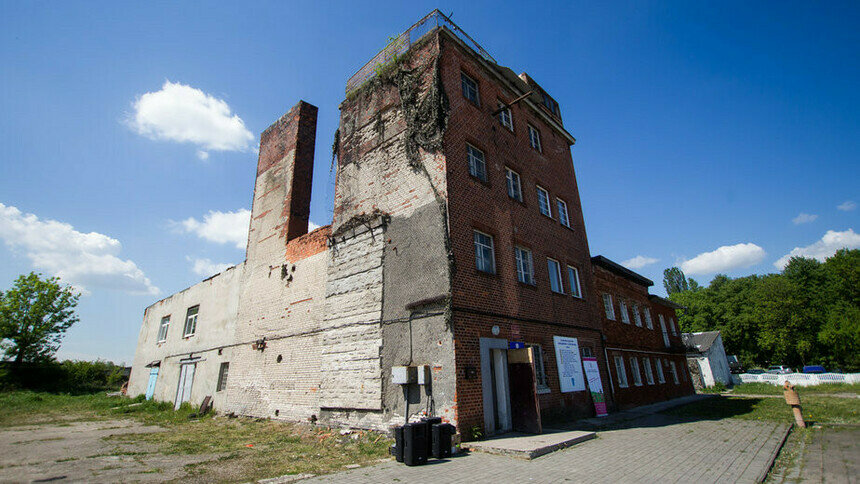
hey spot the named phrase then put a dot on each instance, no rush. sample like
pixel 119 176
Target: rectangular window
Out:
pixel 637 318
pixel 607 305
pixel 543 202
pixel 586 352
pixel 660 377
pixel 540 371
pixel 534 138
pixel 648 322
pixel 573 275
pixel 634 368
pixel 554 275
pixel 162 329
pixel 625 316
pixel 515 187
pixel 525 265
pixel 664 330
pixel 551 104
pixel 222 376
pixel 191 321
pixel 505 117
pixel 470 88
pixel 619 370
pixel 649 375
pixel 485 258
pixel 672 327
pixel 477 165
pixel 562 212
pixel 674 371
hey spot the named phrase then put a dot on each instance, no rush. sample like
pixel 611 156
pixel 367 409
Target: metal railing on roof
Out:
pixel 400 44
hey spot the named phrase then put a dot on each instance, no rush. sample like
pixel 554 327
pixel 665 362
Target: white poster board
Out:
pixel 569 364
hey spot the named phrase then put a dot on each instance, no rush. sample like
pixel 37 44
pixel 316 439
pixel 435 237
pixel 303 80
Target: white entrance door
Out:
pixel 502 401
pixel 186 378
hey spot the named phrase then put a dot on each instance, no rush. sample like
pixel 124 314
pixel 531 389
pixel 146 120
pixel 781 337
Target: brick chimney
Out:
pixel 282 193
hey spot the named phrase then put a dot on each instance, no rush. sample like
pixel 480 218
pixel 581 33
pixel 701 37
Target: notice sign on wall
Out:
pixel 569 364
pixel 592 374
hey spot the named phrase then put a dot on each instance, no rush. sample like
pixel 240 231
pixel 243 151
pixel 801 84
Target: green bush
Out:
pixel 75 377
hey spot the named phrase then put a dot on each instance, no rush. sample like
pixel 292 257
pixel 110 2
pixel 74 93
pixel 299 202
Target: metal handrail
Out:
pixel 400 44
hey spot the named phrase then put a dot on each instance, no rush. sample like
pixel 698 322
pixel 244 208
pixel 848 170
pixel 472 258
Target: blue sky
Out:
pixel 720 137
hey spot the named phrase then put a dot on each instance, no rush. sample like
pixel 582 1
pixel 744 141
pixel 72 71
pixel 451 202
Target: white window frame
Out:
pixel 514 184
pixel 637 318
pixel 163 326
pixel 664 330
pixel 543 202
pixel 506 118
pixel 674 371
pixel 672 326
pixel 660 376
pixel 525 265
pixel 649 373
pixel 191 321
pixel 491 247
pixel 473 158
pixel 622 307
pixel 634 368
pixel 549 267
pixel 575 287
pixel 620 372
pixel 648 322
pixel 608 307
pixel 534 138
pixel 465 79
pixel 563 215
pixel 542 382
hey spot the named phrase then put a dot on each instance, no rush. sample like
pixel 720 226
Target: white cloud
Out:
pixel 220 227
pixel 83 260
pixel 639 262
pixel 206 268
pixel 725 258
pixel 846 206
pixel 312 226
pixel 824 248
pixel 804 218
pixel 187 115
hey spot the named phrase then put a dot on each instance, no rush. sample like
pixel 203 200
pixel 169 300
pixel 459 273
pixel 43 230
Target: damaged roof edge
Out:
pixel 621 270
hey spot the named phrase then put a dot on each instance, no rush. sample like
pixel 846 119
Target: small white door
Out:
pixel 186 379
pixel 502 392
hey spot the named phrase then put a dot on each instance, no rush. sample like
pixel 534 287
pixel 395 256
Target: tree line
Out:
pixel 807 314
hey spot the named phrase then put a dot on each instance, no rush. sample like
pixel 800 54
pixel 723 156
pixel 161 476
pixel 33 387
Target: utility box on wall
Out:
pixel 424 375
pixel 403 375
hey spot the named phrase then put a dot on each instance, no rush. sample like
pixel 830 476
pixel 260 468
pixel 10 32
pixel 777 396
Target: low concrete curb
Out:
pixel 772 459
pixel 527 446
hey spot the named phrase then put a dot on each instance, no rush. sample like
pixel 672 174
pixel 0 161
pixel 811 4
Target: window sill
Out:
pixel 543 390
pixel 493 275
pixel 188 336
pixel 558 293
pixel 547 216
pixel 530 285
pixel 480 180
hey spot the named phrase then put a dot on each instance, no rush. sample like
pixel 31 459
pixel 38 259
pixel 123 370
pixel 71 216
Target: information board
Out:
pixel 569 364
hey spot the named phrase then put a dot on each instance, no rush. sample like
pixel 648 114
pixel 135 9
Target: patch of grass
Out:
pixel 769 389
pixel 819 409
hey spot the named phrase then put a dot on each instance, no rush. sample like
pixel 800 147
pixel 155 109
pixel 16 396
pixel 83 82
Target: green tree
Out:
pixel 34 315
pixel 674 281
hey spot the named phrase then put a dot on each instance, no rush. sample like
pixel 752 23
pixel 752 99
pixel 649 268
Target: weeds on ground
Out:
pixel 818 409
pixel 791 454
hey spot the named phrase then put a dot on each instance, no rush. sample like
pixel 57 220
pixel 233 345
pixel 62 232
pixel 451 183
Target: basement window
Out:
pixel 191 321
pixel 222 376
pixel 162 329
pixel 485 258
pixel 470 88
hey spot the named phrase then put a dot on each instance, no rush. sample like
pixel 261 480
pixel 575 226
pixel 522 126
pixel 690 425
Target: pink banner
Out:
pixel 595 386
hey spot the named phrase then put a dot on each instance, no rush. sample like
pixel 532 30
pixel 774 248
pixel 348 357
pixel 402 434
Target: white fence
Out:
pixel 797 379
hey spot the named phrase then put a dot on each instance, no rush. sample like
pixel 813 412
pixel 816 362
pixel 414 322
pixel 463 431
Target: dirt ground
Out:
pixel 84 452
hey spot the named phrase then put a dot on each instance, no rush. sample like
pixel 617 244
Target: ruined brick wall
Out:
pixel 482 300
pixel 218 300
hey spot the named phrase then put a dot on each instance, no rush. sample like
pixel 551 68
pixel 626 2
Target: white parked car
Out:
pixel 779 370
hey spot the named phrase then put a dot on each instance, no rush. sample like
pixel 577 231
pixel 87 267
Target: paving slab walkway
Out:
pixel 831 455
pixel 652 448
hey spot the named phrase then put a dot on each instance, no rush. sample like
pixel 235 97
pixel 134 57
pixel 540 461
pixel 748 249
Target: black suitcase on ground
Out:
pixel 430 421
pixel 415 444
pixel 441 436
pixel 397 449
